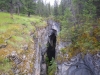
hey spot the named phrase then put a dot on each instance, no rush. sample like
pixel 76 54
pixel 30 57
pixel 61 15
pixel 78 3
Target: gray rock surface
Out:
pixel 41 46
pixel 90 65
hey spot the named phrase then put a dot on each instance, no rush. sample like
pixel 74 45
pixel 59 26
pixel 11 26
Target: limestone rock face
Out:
pixel 41 44
pixel 87 66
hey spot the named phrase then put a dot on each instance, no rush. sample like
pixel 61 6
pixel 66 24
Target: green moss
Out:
pixel 1 40
pixel 17 38
pixel 5 65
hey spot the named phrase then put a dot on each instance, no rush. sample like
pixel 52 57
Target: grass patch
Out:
pixel 5 65
pixel 5 18
pixel 19 27
pixel 18 38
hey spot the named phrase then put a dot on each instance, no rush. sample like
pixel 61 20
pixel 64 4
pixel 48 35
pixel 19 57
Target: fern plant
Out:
pixel 52 67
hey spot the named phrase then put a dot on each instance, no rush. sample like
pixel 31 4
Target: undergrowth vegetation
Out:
pixel 82 29
pixel 84 38
pixel 5 64
pixel 52 66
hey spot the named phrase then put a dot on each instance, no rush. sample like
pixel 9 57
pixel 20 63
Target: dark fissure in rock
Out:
pixel 51 45
pixel 50 51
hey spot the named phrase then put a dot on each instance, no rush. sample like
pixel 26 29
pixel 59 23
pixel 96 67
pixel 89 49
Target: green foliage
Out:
pixel 47 60
pixel 5 65
pixel 29 6
pixel 85 42
pixel 3 5
pixel 85 15
pixel 52 67
pixel 66 25
pixel 43 9
pixel 63 50
pixel 55 8
pixel 79 26
pixel 89 10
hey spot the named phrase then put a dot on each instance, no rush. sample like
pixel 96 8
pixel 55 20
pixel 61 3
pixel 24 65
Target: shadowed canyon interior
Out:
pixel 51 45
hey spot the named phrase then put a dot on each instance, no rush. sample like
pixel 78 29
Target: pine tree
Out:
pixel 55 8
pixel 29 6
pixel 9 5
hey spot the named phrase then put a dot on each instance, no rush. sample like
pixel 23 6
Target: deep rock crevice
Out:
pixel 51 45
pixel 48 45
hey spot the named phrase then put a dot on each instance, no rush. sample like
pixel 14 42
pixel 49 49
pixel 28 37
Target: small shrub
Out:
pixel 52 67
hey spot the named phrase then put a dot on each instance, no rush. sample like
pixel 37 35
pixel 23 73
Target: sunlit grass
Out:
pixel 17 38
pixel 17 30
pixel 5 18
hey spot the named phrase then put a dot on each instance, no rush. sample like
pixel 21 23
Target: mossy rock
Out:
pixel 2 41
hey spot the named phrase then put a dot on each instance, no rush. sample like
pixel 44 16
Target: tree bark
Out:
pixel 11 8
pixel 29 14
pixel 18 10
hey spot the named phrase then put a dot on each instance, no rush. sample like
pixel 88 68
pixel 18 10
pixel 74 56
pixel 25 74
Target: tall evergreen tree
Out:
pixel 29 6
pixel 63 6
pixel 40 7
pixel 97 5
pixel 9 5
pixel 3 5
pixel 55 8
